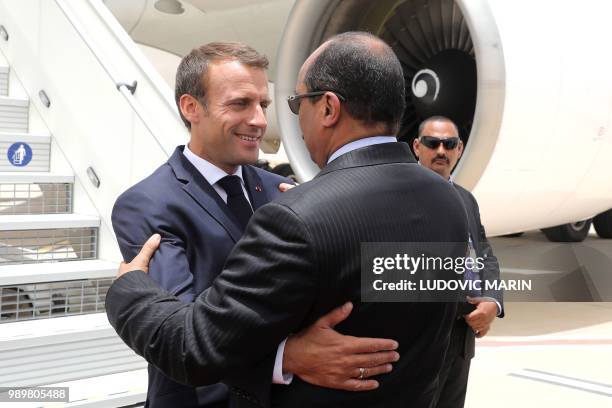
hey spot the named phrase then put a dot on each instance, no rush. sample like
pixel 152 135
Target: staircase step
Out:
pixel 56 271
pixel 32 333
pixel 17 102
pixel 4 78
pixel 62 349
pixel 35 178
pixel 24 137
pixel 38 145
pixel 47 221
pixel 13 114
pixel 114 390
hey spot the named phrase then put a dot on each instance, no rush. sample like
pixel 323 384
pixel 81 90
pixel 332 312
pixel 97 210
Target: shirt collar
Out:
pixel 356 144
pixel 209 171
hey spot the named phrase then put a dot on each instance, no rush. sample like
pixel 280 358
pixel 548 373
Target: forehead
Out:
pixel 305 66
pixel 301 85
pixel 233 77
pixel 441 129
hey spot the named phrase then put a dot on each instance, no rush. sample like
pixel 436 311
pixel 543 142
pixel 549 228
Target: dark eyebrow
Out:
pixel 247 100
pixel 244 99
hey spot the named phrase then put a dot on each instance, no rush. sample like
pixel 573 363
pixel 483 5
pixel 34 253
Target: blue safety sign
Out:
pixel 19 154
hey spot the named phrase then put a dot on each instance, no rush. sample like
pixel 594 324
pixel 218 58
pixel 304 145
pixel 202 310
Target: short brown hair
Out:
pixel 193 67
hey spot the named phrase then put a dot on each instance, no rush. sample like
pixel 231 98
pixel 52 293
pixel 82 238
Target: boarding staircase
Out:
pixel 52 285
pixel 63 162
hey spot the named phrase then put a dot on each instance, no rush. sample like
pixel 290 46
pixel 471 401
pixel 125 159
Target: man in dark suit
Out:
pixel 300 255
pixel 438 147
pixel 222 95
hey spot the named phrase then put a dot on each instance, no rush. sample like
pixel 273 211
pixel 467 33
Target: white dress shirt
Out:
pixel 356 144
pixel 213 174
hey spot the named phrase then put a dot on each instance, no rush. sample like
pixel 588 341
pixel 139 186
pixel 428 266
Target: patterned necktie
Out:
pixel 236 201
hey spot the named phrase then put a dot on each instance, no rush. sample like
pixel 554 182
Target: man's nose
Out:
pixel 441 150
pixel 258 119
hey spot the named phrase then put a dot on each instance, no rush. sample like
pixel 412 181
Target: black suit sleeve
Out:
pixel 135 218
pixel 263 294
pixel 490 272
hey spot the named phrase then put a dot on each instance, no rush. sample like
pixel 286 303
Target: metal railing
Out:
pixel 52 299
pixel 49 245
pixel 35 198
pixel 122 85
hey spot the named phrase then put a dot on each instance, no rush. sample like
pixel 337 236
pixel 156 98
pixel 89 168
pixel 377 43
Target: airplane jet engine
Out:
pixel 528 83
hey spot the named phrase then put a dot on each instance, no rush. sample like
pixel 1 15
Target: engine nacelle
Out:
pixel 527 81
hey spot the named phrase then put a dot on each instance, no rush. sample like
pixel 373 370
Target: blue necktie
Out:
pixel 236 201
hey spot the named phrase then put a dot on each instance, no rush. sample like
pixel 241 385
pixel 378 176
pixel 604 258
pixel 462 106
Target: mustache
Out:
pixel 441 157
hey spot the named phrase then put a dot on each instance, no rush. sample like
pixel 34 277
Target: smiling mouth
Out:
pixel 249 138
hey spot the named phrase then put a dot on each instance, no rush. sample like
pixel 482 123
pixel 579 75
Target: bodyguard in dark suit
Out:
pixel 300 255
pixel 438 147
pixel 201 200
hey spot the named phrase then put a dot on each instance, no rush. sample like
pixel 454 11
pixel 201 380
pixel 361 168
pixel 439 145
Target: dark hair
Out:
pixel 437 118
pixel 366 72
pixel 191 72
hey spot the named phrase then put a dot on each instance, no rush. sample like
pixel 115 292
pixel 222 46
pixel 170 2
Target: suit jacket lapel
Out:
pixel 469 213
pixel 254 186
pixel 203 193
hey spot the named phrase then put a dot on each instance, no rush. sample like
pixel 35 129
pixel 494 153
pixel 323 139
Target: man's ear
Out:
pixel 331 109
pixel 415 147
pixel 459 149
pixel 189 108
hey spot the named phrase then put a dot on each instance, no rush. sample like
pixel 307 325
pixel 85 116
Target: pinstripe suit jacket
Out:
pixel 299 258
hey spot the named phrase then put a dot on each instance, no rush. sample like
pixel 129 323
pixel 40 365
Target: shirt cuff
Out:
pixel 499 309
pixel 278 377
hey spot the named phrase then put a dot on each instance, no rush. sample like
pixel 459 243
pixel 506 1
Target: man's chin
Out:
pixel 441 169
pixel 248 151
pixel 250 158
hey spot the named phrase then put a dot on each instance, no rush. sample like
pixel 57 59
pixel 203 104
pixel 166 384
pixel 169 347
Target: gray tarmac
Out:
pixel 554 347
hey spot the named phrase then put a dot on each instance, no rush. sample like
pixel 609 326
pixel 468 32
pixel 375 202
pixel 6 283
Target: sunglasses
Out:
pixel 433 142
pixel 294 100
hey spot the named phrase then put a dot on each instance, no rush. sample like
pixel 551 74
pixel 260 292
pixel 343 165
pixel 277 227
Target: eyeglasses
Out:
pixel 433 142
pixel 294 100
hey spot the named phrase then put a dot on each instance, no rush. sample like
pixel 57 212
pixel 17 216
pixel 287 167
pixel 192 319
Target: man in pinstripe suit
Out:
pixel 300 255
